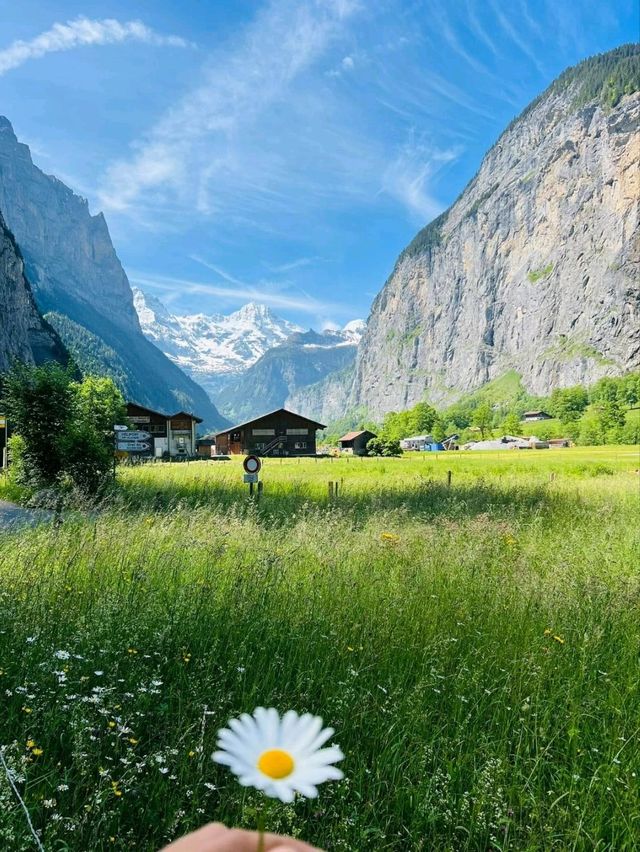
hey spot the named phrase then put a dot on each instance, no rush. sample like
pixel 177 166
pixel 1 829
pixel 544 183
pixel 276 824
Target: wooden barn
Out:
pixel 279 433
pixel 356 442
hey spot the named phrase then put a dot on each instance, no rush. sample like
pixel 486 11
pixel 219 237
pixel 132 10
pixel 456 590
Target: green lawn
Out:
pixel 475 647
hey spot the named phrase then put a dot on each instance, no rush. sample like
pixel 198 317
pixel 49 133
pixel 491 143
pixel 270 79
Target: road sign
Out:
pixel 133 436
pixel 118 427
pixel 133 446
pixel 252 464
pixel 250 477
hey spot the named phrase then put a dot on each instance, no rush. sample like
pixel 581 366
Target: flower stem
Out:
pixel 261 831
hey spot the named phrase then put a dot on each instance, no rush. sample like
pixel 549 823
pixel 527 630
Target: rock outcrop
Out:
pixel 80 286
pixel 24 335
pixel 534 268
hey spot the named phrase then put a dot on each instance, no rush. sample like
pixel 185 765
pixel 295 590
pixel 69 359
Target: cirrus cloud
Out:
pixel 79 32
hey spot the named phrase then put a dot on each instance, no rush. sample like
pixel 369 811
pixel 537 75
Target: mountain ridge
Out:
pixel 79 283
pixel 212 348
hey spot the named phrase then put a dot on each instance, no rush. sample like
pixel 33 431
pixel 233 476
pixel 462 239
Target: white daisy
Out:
pixel 280 756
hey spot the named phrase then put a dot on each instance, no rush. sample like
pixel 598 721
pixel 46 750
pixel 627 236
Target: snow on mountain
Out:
pixel 212 348
pixel 218 351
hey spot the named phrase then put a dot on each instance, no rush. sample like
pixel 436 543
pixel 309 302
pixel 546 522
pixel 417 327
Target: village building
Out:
pixel 171 434
pixel 355 443
pixel 416 442
pixel 278 433
pixel 533 416
pixel 206 446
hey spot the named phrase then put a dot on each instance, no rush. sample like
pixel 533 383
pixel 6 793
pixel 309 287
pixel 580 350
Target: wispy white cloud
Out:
pixel 299 263
pixel 515 36
pixel 199 139
pixel 407 178
pixel 79 32
pixel 235 290
pixel 477 28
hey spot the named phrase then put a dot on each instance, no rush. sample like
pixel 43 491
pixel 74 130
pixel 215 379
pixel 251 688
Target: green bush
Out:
pixel 383 447
pixel 62 427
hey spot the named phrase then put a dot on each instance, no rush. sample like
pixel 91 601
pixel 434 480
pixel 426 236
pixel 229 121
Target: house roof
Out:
pixel 531 413
pixel 350 436
pixel 162 414
pixel 185 414
pixel 269 414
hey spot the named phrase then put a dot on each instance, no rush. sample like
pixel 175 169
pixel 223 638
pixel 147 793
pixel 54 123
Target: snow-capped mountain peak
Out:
pixel 211 348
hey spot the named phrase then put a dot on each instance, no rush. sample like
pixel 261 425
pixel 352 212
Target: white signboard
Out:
pixel 133 436
pixel 118 427
pixel 250 477
pixel 133 446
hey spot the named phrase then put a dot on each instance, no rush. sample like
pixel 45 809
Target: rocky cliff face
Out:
pixel 80 285
pixel 534 268
pixel 24 335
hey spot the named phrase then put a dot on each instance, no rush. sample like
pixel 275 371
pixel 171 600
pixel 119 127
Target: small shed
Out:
pixel 205 446
pixel 533 416
pixel 356 442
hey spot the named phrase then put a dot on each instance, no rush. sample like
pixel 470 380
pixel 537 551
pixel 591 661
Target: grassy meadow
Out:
pixel 475 646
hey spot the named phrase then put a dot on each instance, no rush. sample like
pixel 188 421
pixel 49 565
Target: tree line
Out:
pixel 607 412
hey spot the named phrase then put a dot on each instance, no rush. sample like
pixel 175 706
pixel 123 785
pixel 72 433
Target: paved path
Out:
pixel 13 516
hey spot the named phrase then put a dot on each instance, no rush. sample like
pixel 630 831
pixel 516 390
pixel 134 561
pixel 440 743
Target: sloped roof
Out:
pixel 162 414
pixel 350 436
pixel 269 414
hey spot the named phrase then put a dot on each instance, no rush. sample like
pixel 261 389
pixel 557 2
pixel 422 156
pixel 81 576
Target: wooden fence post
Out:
pixel 449 475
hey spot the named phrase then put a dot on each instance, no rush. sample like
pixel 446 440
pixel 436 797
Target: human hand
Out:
pixel 216 837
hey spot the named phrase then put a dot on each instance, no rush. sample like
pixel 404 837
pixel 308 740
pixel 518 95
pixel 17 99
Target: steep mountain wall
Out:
pixel 304 359
pixel 534 268
pixel 80 284
pixel 24 335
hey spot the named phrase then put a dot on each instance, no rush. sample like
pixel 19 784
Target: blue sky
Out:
pixel 279 151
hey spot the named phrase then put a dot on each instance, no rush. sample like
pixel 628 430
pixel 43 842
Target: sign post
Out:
pixel 252 465
pixel 5 449
pixel 127 440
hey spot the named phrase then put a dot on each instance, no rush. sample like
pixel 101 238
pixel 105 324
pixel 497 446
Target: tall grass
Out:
pixel 475 647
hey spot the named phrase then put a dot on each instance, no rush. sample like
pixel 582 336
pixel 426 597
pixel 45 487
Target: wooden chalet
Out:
pixel 278 433
pixel 171 434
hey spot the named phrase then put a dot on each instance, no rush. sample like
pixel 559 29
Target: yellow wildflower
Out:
pixel 133 741
pixel 27 710
pixel 389 538
pixel 112 724
pixel 548 631
pixel 192 754
pixel 559 639
pixel 31 743
pixel 36 752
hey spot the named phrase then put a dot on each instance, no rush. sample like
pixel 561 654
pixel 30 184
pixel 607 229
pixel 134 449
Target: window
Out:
pixel 235 436
pixel 263 432
pixel 297 431
pixel 301 445
pixel 260 446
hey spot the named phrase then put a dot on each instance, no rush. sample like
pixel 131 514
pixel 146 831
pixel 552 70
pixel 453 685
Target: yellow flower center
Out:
pixel 276 763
